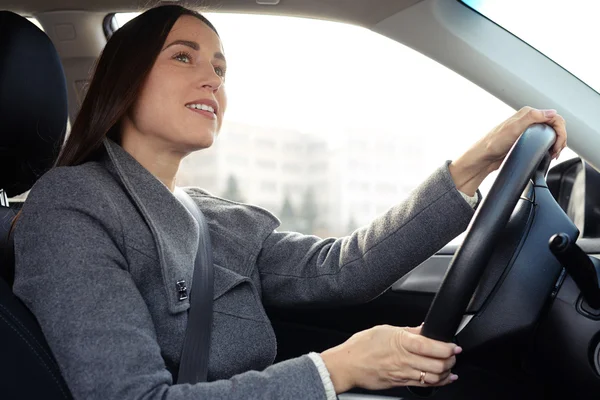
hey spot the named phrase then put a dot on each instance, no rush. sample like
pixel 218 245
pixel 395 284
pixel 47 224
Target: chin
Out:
pixel 203 141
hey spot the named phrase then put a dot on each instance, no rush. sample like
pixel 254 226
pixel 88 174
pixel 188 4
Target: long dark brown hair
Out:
pixel 118 78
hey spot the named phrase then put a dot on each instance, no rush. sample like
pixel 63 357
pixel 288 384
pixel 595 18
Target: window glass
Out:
pixel 565 31
pixel 328 125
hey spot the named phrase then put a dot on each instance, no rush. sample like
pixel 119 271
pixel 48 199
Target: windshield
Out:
pixel 329 125
pixel 565 31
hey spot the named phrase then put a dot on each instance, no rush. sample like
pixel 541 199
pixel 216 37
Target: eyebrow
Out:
pixel 194 46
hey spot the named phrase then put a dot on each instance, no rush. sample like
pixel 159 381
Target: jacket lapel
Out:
pixel 174 230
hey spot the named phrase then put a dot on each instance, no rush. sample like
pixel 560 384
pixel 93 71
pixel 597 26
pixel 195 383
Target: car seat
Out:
pixel 33 119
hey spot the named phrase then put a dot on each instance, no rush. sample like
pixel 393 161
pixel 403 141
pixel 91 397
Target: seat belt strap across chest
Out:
pixel 193 366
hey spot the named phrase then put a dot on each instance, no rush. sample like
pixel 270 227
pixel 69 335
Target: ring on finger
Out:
pixel 422 379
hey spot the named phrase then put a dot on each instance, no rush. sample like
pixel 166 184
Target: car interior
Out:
pixel 520 294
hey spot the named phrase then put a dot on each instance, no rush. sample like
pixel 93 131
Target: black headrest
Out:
pixel 33 103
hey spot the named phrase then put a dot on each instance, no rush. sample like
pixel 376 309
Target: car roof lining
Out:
pixel 360 12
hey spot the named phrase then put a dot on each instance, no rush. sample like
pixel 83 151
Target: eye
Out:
pixel 183 57
pixel 220 71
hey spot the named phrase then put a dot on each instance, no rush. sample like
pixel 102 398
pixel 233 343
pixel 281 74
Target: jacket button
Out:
pixel 182 290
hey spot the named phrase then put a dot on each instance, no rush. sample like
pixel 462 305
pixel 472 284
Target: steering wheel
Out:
pixel 528 157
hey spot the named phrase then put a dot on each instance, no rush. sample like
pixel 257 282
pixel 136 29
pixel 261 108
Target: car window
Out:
pixel 328 124
pixel 536 22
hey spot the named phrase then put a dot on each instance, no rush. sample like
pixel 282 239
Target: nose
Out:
pixel 208 78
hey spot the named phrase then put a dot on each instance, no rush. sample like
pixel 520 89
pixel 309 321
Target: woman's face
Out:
pixel 182 102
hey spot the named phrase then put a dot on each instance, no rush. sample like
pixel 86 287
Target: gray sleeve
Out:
pixel 72 274
pixel 299 270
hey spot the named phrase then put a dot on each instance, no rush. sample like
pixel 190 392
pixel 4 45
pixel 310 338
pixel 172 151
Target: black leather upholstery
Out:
pixel 33 116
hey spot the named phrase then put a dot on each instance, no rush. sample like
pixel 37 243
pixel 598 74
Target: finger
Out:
pixel 451 378
pixel 527 116
pixel 416 330
pixel 429 378
pixel 414 374
pixel 523 111
pixel 561 135
pixel 560 127
pixel 432 365
pixel 420 345
pixel 410 383
pixel 530 116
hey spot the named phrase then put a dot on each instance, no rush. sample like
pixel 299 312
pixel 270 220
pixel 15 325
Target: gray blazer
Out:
pixel 100 247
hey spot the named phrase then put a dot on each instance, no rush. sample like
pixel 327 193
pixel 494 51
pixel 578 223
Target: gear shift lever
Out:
pixel 584 270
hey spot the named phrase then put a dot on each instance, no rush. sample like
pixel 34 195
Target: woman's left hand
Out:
pixel 485 156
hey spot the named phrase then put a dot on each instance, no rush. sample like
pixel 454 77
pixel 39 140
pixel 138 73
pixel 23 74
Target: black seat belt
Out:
pixel 193 366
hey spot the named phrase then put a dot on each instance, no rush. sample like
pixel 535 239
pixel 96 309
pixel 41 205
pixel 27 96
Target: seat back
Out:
pixel 33 117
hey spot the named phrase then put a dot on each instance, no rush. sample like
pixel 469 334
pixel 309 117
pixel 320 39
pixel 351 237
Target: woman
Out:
pixel 102 241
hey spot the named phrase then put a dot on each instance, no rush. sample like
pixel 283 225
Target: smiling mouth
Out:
pixel 200 106
pixel 202 109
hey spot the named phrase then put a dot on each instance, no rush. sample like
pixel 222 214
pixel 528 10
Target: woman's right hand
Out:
pixel 387 356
